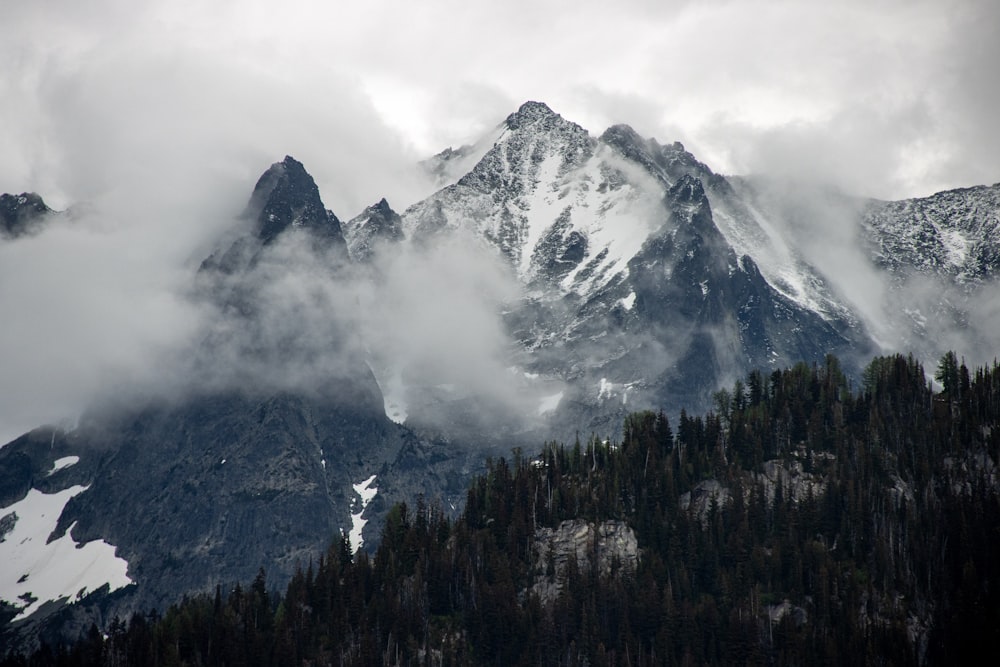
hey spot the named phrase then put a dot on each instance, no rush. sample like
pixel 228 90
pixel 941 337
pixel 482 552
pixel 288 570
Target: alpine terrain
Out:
pixel 616 274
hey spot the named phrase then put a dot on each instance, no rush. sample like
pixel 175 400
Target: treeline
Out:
pixel 841 525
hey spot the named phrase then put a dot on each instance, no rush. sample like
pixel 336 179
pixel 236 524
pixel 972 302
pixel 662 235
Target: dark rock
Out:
pixel 21 214
pixel 375 228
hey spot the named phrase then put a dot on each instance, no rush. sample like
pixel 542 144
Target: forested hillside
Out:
pixel 803 521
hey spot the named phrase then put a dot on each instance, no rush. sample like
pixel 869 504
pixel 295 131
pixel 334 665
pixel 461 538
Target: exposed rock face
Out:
pixel 375 228
pixel 788 476
pixel 941 257
pixel 638 265
pixel 610 546
pixel 285 200
pixel 287 197
pixel 791 478
pixel 777 612
pixel 237 473
pixel 648 281
pixel 703 497
pixel 21 214
pixel 954 233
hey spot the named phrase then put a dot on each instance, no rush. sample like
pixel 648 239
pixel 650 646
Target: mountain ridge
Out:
pixel 644 280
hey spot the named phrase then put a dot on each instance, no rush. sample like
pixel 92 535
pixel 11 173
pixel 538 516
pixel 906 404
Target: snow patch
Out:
pixel 64 462
pixel 366 492
pixel 34 572
pixel 628 301
pixel 605 389
pixel 956 246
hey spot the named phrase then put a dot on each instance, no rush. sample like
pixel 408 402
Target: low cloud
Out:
pixel 161 115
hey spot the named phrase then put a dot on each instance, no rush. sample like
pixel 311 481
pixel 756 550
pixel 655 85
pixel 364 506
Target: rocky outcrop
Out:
pixel 376 227
pixel 610 546
pixel 21 214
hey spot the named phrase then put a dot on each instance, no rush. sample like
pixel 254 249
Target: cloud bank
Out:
pixel 160 115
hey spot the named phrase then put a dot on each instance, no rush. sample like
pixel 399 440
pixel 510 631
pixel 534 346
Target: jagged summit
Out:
pixel 373 228
pixel 286 196
pixel 20 213
pixel 531 112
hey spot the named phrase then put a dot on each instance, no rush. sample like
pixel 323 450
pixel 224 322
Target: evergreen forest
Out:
pixel 801 521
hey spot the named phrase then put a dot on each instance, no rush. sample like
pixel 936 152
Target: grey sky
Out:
pixel 892 98
pixel 163 113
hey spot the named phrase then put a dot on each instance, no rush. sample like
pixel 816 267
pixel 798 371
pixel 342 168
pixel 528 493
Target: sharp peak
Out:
pixel 531 112
pixel 623 130
pixel 286 168
pixel 381 207
pixel 533 107
pixel 288 163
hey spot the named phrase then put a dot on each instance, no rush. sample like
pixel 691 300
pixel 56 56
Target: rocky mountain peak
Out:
pixel 286 196
pixel 530 113
pixel 623 136
pixel 376 225
pixel 19 213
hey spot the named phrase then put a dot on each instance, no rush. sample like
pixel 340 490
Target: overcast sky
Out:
pixel 886 98
pixel 163 113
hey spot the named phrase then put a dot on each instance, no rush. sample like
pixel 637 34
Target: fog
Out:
pixel 153 120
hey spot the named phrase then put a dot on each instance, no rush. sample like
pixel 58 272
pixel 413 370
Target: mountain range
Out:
pixel 554 282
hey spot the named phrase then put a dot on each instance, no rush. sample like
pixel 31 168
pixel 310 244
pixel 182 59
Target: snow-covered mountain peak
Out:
pixel 561 206
pixel 532 112
pixel 369 230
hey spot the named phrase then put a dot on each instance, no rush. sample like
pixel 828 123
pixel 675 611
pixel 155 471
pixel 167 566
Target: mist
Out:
pixel 153 121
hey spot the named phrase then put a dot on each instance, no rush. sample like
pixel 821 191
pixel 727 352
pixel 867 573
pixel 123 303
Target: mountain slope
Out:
pixel 255 463
pixel 648 281
pixel 630 276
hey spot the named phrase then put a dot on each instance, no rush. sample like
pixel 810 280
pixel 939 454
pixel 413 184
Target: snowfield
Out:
pixel 36 571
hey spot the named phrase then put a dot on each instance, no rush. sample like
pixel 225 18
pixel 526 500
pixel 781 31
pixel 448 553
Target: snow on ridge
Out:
pixel 35 572
pixel 64 462
pixel 759 239
pixel 544 207
pixel 366 492
pixel 616 216
pixel 956 246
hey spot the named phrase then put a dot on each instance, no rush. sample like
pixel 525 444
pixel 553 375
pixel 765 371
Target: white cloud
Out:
pixel 162 114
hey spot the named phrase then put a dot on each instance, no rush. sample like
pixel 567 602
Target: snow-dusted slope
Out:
pixel 954 233
pixel 374 227
pixel 641 268
pixel 747 229
pixel 565 206
pixel 560 205
pixel 940 257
